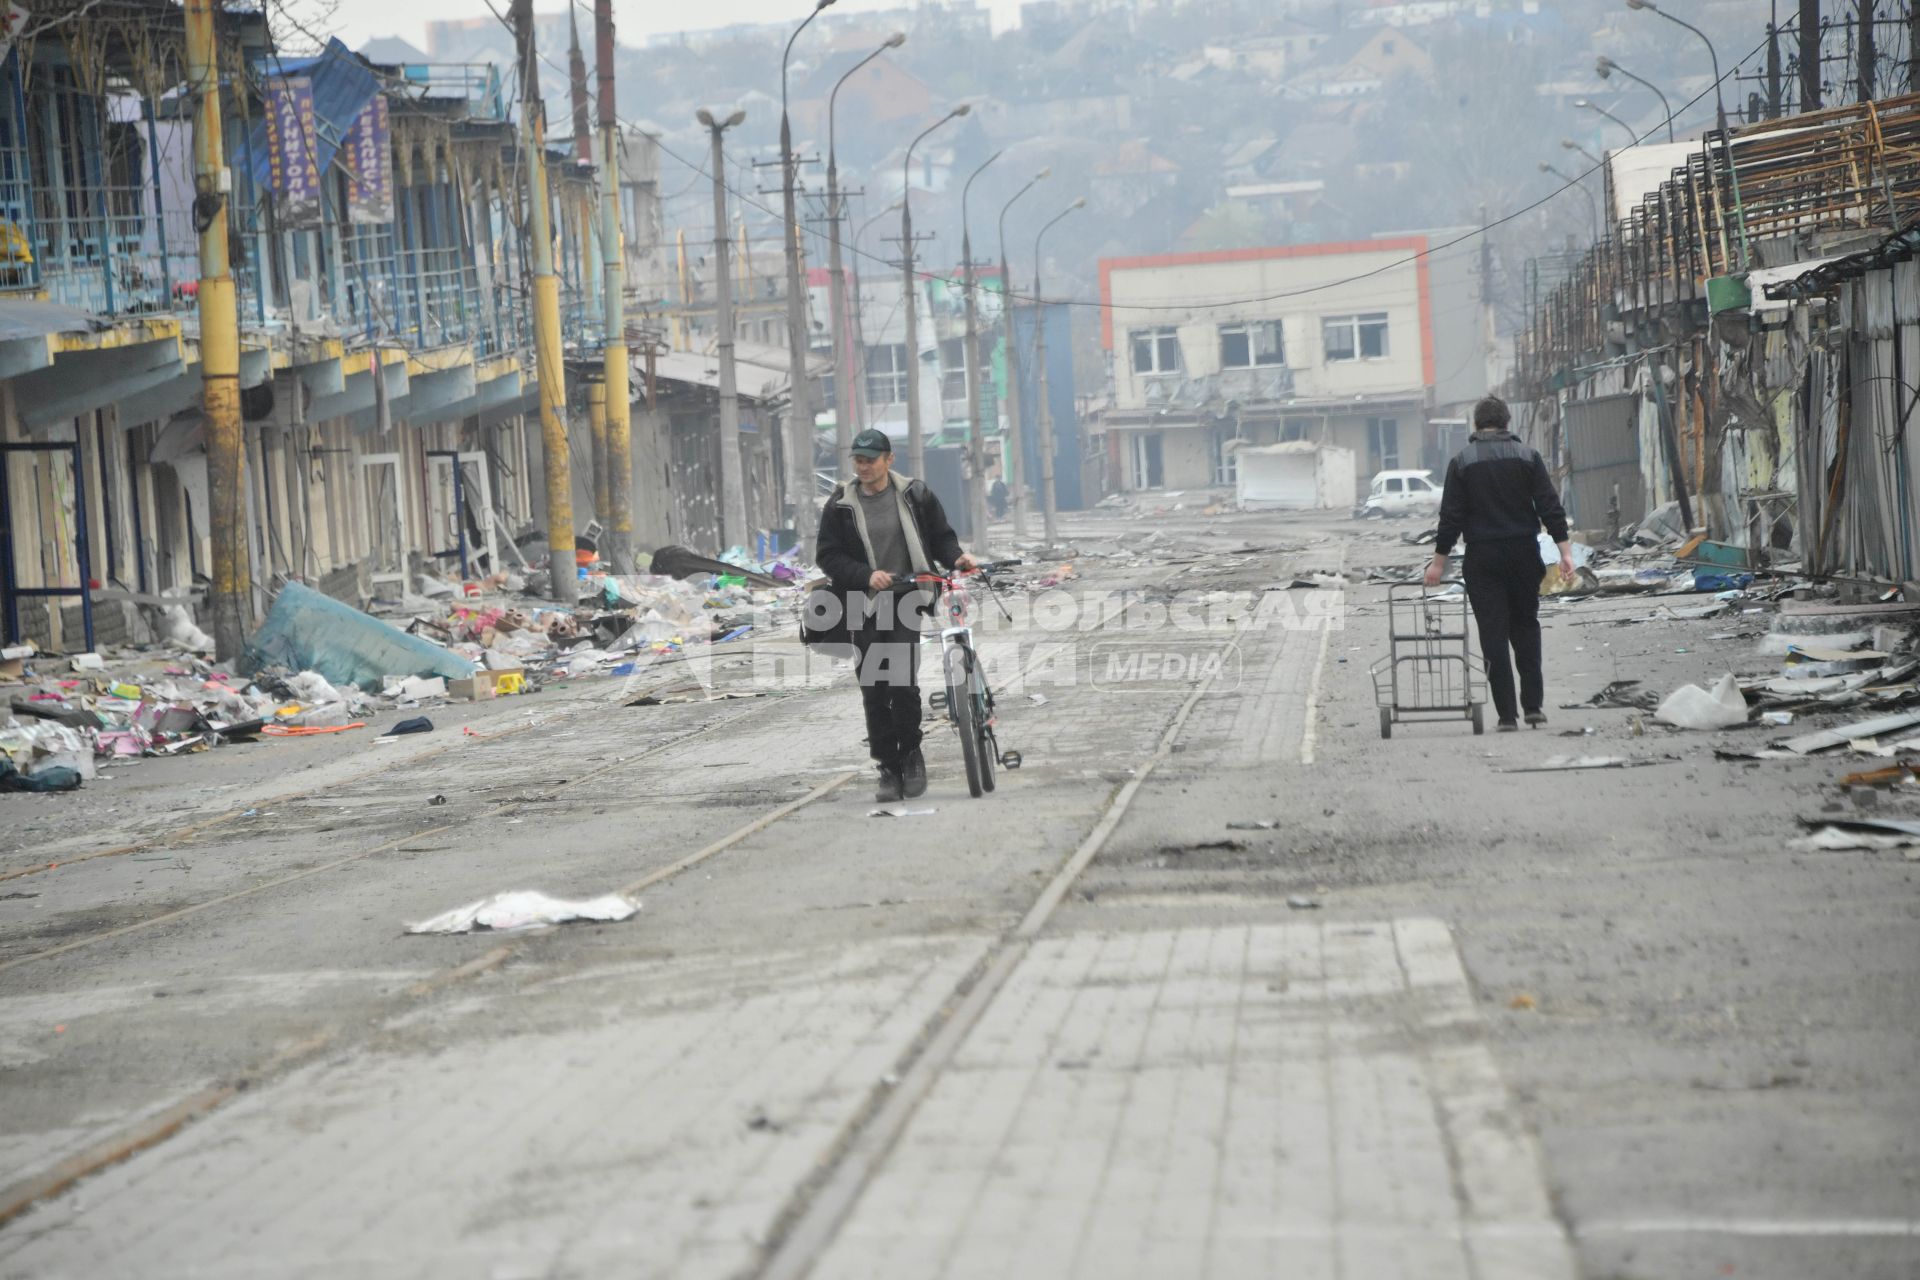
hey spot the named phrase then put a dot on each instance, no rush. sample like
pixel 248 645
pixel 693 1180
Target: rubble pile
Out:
pixel 319 666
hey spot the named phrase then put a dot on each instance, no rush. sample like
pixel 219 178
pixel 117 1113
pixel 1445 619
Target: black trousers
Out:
pixel 1503 586
pixel 887 656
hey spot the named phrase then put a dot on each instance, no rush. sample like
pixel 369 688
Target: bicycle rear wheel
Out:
pixel 965 713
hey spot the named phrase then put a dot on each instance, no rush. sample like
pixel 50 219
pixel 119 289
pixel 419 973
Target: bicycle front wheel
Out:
pixel 985 747
pixel 966 714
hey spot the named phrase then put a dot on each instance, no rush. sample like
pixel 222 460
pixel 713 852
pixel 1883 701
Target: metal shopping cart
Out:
pixel 1431 671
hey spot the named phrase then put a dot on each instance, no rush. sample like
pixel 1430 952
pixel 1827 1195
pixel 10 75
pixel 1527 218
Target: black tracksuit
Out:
pixel 1498 494
pixel 886 644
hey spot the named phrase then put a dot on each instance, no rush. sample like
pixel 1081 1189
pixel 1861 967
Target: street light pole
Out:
pixel 1049 503
pixel 1570 145
pixel 1605 66
pixel 1589 104
pixel 733 495
pixel 1579 186
pixel 1016 434
pixel 1719 115
pixel 916 441
pixel 843 369
pixel 976 444
pixel 800 397
pixel 860 318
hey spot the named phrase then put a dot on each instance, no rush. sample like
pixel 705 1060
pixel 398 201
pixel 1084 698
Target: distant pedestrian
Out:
pixel 997 498
pixel 1498 494
pixel 878 530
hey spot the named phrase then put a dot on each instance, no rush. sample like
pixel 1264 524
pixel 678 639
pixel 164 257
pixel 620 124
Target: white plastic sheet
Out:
pixel 526 909
pixel 1691 707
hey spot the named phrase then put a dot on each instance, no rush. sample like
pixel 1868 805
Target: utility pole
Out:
pixel 976 441
pixel 1049 502
pixel 577 91
pixel 1869 55
pixel 1016 427
pixel 916 441
pixel 613 252
pixel 844 373
pixel 552 372
pixel 1809 55
pixel 733 496
pixel 1773 72
pixel 800 393
pixel 909 298
pixel 220 344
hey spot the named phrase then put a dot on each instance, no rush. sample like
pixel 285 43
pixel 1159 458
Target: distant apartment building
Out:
pixel 1325 342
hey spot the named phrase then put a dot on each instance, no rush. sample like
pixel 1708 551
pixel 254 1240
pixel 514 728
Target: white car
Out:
pixel 1400 493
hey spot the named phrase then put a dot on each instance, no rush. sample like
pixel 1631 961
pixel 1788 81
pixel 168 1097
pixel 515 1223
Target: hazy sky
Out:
pixel 360 20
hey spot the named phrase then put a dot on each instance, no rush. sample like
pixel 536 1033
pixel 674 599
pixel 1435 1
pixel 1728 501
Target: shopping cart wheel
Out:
pixel 1479 720
pixel 1386 722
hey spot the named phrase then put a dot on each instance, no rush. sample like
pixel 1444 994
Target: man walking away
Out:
pixel 877 531
pixel 1498 494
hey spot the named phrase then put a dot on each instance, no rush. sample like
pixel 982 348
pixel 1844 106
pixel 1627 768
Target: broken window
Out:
pixel 1155 351
pixel 887 373
pixel 1361 337
pixel 1252 346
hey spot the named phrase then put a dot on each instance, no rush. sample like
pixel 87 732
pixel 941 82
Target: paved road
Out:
pixel 1540 1024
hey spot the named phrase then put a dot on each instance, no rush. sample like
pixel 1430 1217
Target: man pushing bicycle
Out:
pixel 877 531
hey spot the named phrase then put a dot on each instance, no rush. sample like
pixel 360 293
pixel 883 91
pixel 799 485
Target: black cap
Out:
pixel 872 443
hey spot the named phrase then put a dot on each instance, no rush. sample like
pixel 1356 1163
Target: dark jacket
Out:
pixel 1497 489
pixel 843 558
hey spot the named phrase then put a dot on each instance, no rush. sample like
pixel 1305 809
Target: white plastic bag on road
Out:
pixel 525 909
pixel 1691 707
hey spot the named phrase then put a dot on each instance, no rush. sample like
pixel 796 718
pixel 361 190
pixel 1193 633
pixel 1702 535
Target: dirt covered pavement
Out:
pixel 1219 983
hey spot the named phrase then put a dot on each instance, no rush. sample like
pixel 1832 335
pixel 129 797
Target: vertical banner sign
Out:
pixel 369 148
pixel 292 148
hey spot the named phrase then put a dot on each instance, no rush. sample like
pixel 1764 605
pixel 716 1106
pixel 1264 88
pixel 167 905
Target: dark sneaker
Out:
pixel 1507 726
pixel 913 774
pixel 1535 719
pixel 889 788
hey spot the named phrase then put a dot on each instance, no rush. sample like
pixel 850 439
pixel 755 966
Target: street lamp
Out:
pixel 1048 502
pixel 976 445
pixel 1604 66
pixel 799 400
pixel 1016 436
pixel 733 496
pixel 1719 114
pixel 859 305
pixel 844 412
pixel 1571 145
pixel 1581 187
pixel 1634 138
pixel 916 443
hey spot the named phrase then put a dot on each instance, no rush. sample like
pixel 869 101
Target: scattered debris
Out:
pixel 1523 1001
pixel 526 909
pixel 1299 903
pixel 1625 694
pixel 1828 739
pixel 1264 824
pixel 1562 764
pixel 901 813
pixel 1859 833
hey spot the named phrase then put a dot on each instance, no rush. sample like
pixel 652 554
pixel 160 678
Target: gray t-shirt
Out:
pixel 882 511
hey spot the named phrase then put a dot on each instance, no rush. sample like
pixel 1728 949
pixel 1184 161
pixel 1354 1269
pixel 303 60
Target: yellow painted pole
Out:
pixel 613 250
pixel 551 369
pixel 219 344
pixel 597 422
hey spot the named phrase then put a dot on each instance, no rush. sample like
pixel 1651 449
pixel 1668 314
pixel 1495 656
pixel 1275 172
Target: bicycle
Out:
pixel 968 697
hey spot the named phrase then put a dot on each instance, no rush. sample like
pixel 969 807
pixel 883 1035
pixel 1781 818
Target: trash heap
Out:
pixel 319 666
